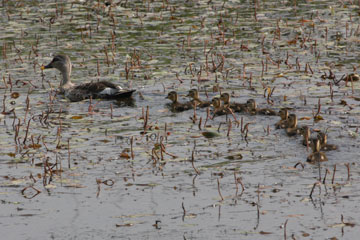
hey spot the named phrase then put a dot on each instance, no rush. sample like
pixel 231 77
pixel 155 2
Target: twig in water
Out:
pixel 333 177
pixel 218 184
pixel 285 228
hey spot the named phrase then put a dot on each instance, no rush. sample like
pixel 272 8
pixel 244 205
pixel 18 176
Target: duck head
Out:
pixel 172 96
pixel 216 103
pixel 194 94
pixel 284 114
pixel 292 121
pixel 251 104
pixel 225 97
pixel 63 64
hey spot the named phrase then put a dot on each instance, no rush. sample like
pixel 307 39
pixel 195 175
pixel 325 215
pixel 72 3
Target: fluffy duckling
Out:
pixel 218 109
pixel 316 156
pixel 252 109
pixel 176 106
pixel 307 137
pixel 323 142
pixel 236 107
pixel 352 77
pixel 194 95
pixel 284 115
pixel 75 93
pixel 292 128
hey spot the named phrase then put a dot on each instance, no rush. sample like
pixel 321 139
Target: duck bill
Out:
pixel 49 66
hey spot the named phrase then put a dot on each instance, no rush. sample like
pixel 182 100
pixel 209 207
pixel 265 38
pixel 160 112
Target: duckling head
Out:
pixel 284 114
pixel 251 104
pixel 292 120
pixel 194 94
pixel 216 103
pixel 322 137
pixel 225 97
pixel 172 96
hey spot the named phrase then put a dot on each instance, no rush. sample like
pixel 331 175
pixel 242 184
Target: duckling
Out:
pixel 75 93
pixel 236 107
pixel 307 137
pixel 352 77
pixel 316 156
pixel 176 106
pixel 284 115
pixel 252 109
pixel 323 142
pixel 292 128
pixel 218 109
pixel 194 95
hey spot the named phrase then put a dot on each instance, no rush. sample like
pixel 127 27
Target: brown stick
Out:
pixel 333 177
pixel 218 184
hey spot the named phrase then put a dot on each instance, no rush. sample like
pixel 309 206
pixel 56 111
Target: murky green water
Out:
pixel 77 155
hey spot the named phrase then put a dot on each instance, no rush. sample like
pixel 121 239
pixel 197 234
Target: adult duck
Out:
pixel 236 107
pixel 175 105
pixel 75 93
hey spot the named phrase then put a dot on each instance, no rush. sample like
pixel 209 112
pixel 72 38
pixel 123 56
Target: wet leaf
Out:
pixel 35 146
pixel 11 154
pixel 318 118
pixel 76 117
pixel 124 155
pixel 209 134
pixel 15 95
pixel 234 157
pixel 125 225
pixel 264 233
pixel 305 118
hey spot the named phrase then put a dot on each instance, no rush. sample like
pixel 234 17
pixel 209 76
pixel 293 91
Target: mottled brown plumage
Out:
pixel 236 107
pixel 195 99
pixel 176 106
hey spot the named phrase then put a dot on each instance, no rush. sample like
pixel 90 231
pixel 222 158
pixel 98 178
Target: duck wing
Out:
pixel 102 89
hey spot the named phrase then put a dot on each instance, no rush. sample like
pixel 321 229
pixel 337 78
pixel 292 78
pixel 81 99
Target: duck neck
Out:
pixel 197 100
pixel 66 82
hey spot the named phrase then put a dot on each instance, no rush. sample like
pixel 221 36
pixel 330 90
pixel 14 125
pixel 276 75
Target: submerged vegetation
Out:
pixel 147 167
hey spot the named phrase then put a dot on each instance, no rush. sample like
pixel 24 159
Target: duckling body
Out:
pixel 292 128
pixel 194 95
pixel 176 106
pixel 101 89
pixel 252 109
pixel 284 115
pixel 317 156
pixel 236 107
pixel 323 143
pixel 352 77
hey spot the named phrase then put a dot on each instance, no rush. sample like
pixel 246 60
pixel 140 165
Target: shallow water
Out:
pixel 96 192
